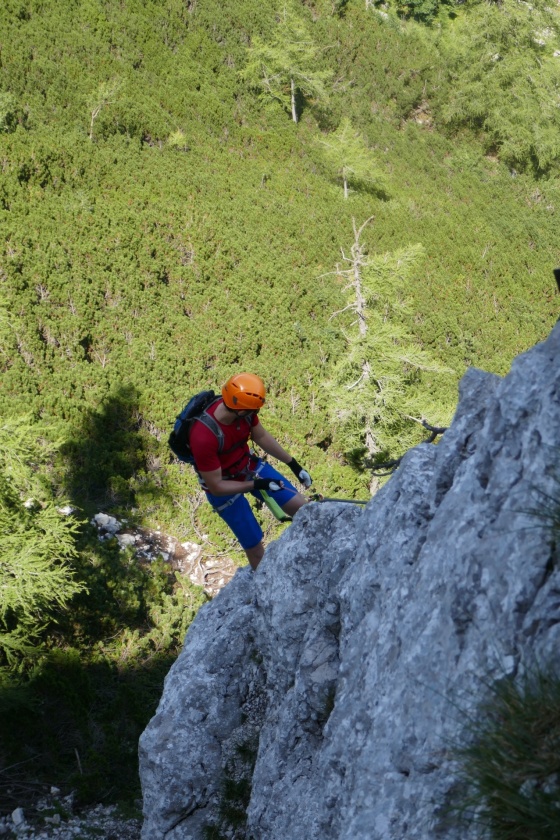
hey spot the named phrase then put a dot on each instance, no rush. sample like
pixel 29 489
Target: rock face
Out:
pixel 356 651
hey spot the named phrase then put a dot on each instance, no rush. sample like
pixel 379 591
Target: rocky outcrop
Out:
pixel 146 545
pixel 356 651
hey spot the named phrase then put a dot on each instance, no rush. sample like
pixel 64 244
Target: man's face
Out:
pixel 242 412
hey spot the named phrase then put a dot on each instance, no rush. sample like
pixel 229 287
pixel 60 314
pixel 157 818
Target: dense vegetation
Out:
pixel 185 187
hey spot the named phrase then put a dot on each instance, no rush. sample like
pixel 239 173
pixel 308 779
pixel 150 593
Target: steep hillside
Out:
pixel 166 223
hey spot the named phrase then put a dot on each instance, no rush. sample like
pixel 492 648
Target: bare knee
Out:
pixel 255 555
pixel 294 504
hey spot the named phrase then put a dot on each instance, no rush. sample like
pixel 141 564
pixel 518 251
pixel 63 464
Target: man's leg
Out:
pixel 241 519
pixel 255 555
pixel 294 504
pixel 289 499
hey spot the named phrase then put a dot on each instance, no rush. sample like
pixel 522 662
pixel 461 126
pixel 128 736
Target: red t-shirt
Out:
pixel 204 444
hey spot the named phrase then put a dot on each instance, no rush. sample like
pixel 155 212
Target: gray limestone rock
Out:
pixel 356 651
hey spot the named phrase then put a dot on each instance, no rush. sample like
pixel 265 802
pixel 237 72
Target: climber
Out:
pixel 229 471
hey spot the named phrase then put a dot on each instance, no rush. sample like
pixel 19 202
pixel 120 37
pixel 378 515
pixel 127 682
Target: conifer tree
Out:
pixel 104 96
pixel 373 391
pixel 502 65
pixel 36 542
pixel 348 156
pixel 286 63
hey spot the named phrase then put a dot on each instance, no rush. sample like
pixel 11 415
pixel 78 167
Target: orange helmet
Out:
pixel 244 391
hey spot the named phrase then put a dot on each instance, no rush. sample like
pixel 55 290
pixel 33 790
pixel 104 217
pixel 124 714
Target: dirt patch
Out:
pixel 212 573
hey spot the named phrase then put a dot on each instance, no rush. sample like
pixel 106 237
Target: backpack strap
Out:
pixel 248 419
pixel 213 426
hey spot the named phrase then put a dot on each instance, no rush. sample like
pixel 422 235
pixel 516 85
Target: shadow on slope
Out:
pixel 73 707
pixel 76 726
pixel 73 715
pixel 111 455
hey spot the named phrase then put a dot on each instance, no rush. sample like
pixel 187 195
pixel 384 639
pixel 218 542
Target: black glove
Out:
pixel 301 474
pixel 268 484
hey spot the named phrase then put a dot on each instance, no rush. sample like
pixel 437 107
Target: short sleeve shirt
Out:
pixel 204 444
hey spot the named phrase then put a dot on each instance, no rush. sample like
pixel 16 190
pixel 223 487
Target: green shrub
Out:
pixel 547 510
pixel 510 762
pixel 235 793
pixel 502 80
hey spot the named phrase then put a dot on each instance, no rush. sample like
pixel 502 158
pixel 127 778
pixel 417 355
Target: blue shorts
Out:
pixel 236 510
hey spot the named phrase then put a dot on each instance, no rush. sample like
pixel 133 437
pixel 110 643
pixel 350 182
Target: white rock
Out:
pixel 54 820
pixel 18 817
pixel 193 550
pixel 106 523
pixel 125 540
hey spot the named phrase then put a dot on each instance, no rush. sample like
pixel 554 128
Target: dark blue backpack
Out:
pixel 195 409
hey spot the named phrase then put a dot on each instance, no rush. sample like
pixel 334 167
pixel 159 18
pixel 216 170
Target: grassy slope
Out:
pixel 136 273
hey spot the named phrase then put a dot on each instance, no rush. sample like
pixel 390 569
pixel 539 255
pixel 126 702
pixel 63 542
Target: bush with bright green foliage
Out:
pixel 502 68
pixel 37 544
pixel 348 158
pixel 374 393
pixel 425 11
pixel 75 710
pixel 87 633
pixel 509 762
pixel 283 65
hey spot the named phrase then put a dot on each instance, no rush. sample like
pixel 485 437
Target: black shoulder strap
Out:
pixel 213 425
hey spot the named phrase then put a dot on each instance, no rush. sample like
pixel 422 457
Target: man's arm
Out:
pixel 265 440
pixel 270 445
pixel 219 486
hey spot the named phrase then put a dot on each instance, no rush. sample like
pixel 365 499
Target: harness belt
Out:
pixel 246 472
pixel 228 503
pixel 241 473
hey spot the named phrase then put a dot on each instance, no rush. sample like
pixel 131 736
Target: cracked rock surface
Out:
pixel 368 636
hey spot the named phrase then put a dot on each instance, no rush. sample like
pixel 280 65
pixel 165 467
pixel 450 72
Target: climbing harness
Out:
pixel 228 503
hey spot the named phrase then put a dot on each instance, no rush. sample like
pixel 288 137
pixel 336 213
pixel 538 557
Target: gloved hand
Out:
pixel 301 474
pixel 268 484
